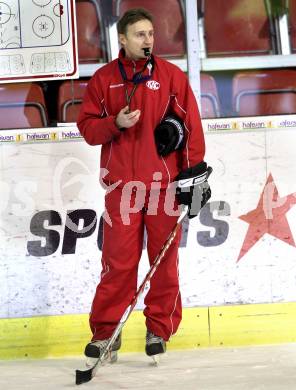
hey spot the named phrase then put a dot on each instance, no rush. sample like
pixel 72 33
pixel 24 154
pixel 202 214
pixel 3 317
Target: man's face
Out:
pixel 138 36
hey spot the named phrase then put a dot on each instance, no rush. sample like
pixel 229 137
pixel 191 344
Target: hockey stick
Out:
pixel 87 375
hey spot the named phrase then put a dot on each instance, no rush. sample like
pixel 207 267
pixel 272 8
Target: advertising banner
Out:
pixel 240 249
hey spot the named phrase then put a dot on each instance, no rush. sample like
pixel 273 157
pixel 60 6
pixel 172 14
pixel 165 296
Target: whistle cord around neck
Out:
pixel 128 97
pixel 136 79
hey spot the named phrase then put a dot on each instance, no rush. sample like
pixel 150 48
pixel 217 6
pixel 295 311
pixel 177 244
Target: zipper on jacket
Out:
pixel 134 144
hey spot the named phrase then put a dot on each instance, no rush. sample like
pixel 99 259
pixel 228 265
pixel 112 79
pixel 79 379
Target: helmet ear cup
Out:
pixel 169 135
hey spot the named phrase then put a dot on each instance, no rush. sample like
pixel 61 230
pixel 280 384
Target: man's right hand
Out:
pixel 126 119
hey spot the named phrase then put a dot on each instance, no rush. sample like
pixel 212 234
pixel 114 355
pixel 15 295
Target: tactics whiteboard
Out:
pixel 37 40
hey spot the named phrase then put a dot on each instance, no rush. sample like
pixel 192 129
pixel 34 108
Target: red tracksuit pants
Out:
pixel 121 253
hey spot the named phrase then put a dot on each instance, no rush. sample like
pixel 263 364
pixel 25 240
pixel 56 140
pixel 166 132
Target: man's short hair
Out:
pixel 132 16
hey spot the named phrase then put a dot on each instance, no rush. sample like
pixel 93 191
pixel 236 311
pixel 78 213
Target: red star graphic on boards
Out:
pixel 268 217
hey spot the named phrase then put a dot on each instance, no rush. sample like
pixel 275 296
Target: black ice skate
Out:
pixel 94 350
pixel 155 346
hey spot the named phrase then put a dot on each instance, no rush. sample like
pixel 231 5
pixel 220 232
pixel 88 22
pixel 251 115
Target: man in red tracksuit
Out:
pixel 125 101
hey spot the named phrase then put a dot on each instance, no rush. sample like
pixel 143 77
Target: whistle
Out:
pixel 146 51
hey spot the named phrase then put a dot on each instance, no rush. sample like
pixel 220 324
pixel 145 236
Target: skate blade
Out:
pixel 90 362
pixel 156 359
pixel 112 358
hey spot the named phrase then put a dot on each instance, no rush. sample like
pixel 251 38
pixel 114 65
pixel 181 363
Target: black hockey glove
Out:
pixel 193 189
pixel 169 135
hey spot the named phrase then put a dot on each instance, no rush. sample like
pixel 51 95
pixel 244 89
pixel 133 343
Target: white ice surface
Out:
pixel 244 368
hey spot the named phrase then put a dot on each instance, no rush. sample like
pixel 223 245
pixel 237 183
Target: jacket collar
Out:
pixel 128 62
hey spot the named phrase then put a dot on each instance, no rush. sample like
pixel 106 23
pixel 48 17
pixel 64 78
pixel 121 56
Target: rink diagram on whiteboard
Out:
pixel 38 28
pixel 43 23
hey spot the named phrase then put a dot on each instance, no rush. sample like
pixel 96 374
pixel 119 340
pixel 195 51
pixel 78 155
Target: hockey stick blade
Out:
pixel 83 376
pixel 87 375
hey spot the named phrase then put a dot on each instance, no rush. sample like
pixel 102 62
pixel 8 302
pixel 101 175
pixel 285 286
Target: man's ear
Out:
pixel 122 39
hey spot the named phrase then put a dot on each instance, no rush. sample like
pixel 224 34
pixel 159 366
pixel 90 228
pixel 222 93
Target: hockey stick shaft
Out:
pixel 87 375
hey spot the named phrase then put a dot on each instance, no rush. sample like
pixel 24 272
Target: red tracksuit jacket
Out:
pixel 131 154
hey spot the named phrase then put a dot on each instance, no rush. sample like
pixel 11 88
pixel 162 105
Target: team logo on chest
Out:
pixel 152 84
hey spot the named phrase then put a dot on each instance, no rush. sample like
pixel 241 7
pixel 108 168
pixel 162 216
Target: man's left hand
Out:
pixel 193 189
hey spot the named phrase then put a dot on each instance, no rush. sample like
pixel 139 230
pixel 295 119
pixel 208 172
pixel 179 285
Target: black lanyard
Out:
pixel 137 77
